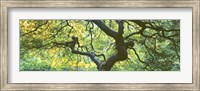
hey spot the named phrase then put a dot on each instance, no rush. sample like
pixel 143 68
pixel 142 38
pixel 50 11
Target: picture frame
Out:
pixel 6 4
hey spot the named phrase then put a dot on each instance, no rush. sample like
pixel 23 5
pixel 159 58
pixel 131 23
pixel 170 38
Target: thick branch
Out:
pixel 120 44
pixel 120 27
pixel 139 22
pixel 121 54
pixel 104 28
pixel 89 54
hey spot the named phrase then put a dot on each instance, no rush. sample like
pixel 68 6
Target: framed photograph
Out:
pixel 99 45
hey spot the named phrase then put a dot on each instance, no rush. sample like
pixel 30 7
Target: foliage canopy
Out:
pixel 99 45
